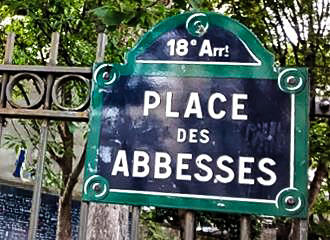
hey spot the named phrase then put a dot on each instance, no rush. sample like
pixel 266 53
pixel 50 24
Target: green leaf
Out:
pixel 180 3
pixel 112 17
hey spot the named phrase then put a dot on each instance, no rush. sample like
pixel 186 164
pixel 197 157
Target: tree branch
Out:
pixel 77 170
pixel 16 130
pixel 315 186
pixel 61 132
pixel 27 132
pixel 73 179
pixel 25 96
pixel 42 55
pixel 327 9
pixel 54 155
pixel 281 24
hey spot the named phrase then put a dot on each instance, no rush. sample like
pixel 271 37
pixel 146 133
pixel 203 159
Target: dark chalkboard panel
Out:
pixel 15 204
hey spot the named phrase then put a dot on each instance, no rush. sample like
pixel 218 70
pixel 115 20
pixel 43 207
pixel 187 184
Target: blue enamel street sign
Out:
pixel 199 118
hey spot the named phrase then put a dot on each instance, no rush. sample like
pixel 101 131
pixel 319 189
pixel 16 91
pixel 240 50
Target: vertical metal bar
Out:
pixel 36 199
pixel 83 218
pixel 100 50
pixel 52 62
pixel 9 53
pixel 245 228
pixel 135 223
pixel 303 229
pixel 189 225
pixel 130 213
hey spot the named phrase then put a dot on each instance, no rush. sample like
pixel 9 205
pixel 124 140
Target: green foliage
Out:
pixel 323 202
pixel 153 230
pixel 38 19
pixel 228 225
pixel 14 142
pixel 320 142
pixel 140 14
pixel 320 152
pixel 126 21
pixel 320 219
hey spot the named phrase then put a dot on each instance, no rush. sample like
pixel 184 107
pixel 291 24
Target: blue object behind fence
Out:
pixel 19 162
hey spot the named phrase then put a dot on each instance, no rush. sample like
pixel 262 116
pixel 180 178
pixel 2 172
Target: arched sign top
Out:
pixel 201 39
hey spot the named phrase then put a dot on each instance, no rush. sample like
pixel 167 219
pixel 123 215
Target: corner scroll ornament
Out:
pixel 96 187
pixel 197 24
pixel 290 201
pixel 105 75
pixel 291 80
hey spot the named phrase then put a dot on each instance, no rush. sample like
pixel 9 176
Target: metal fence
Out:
pixel 48 80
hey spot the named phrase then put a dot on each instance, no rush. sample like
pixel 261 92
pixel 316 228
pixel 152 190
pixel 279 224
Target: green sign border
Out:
pixel 294 81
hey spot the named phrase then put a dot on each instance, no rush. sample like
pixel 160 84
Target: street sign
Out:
pixel 199 118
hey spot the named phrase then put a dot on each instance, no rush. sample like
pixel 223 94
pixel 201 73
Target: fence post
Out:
pixel 84 209
pixel 299 230
pixel 36 199
pixel 303 229
pixel 135 223
pixel 83 220
pixel 9 53
pixel 245 228
pixel 189 225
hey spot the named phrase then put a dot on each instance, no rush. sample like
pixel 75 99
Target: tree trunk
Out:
pixel 64 226
pixel 107 222
pixel 299 229
pixel 315 186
